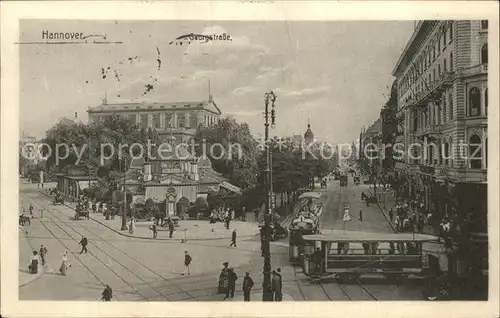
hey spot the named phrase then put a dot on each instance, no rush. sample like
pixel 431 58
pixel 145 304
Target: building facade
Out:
pixel 442 107
pixel 178 118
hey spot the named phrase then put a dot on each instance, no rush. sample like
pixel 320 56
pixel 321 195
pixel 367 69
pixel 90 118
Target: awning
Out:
pixel 231 187
pixel 84 185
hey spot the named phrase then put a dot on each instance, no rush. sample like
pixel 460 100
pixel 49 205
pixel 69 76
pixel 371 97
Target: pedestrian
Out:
pixel 154 230
pixel 170 228
pixel 43 251
pixel 280 277
pixel 84 242
pixel 233 239
pixel 187 262
pixel 391 214
pixel 275 286
pixel 363 196
pixel 94 206
pixel 107 294
pixel 232 278
pixel 247 286
pixel 420 224
pixel 360 219
pixel 256 213
pixel 33 266
pixel 31 211
pixel 64 264
pixel 131 227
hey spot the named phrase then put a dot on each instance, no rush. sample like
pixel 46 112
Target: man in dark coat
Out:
pixel 84 242
pixel 170 228
pixel 247 286
pixel 232 278
pixel 107 294
pixel 233 239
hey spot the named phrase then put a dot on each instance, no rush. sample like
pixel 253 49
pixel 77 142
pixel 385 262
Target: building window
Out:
pixel 193 120
pixel 144 121
pixel 181 120
pixel 484 54
pixel 446 154
pixel 486 101
pixel 450 106
pixel 439 70
pixel 451 62
pixel 156 121
pixel 474 101
pixel 451 32
pixel 444 65
pixel 484 24
pixel 486 153
pixel 475 152
pixel 169 120
pixel 439 45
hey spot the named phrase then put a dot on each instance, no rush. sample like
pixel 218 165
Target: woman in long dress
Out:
pixel 131 227
pixel 33 266
pixel 64 264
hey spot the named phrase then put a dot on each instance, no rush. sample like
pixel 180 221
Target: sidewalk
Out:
pixel 437 249
pixel 187 229
pixel 25 254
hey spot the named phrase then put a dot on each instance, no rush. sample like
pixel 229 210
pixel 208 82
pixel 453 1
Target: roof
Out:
pixel 353 236
pixel 315 195
pixel 409 48
pixel 375 128
pixel 208 105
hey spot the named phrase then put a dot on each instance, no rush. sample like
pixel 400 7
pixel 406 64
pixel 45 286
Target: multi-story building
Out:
pixel 180 119
pixel 443 105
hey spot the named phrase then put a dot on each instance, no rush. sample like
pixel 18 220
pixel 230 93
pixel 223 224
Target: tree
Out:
pixel 232 151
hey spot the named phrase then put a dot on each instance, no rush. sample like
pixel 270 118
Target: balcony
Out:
pixel 468 175
pixel 474 70
pixel 444 81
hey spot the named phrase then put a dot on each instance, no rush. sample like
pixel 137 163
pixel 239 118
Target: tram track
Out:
pixel 136 261
pixel 159 293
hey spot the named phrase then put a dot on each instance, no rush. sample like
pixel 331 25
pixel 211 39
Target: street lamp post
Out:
pixel 266 285
pixel 124 213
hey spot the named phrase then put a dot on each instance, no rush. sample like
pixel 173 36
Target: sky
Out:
pixel 337 74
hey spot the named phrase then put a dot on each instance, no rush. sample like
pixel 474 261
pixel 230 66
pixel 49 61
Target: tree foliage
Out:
pixel 232 150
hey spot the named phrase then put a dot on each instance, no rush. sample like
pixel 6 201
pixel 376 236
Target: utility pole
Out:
pixel 124 214
pixel 266 285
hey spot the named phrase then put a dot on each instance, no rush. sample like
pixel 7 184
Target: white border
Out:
pixel 11 12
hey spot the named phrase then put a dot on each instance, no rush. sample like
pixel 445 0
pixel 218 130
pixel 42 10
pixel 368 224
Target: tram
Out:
pixel 304 221
pixel 347 255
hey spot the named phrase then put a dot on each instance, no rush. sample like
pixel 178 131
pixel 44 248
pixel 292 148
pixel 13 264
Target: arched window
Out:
pixel 486 153
pixel 451 62
pixel 444 65
pixel 446 153
pixel 484 54
pixel 474 101
pixel 439 70
pixel 451 31
pixel 486 101
pixel 450 106
pixel 475 152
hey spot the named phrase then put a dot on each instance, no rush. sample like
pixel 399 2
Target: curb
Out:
pixel 41 270
pixel 154 239
pixel 385 214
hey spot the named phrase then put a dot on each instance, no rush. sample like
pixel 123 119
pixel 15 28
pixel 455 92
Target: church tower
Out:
pixel 309 135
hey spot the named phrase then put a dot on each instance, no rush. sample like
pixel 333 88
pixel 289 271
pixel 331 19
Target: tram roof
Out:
pixel 352 236
pixel 314 195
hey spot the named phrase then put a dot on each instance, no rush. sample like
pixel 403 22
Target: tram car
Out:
pixel 347 256
pixel 58 199
pixel 304 221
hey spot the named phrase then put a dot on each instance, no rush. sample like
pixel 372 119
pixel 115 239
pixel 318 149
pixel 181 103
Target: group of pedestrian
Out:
pixel 154 227
pixel 408 217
